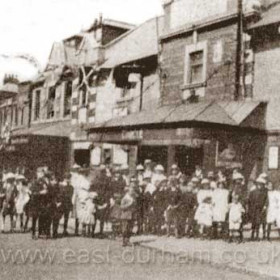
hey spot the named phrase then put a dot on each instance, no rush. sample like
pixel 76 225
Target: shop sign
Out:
pixel 19 141
pixel 132 135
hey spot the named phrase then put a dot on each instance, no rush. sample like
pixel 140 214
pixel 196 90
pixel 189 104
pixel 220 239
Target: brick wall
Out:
pixel 221 85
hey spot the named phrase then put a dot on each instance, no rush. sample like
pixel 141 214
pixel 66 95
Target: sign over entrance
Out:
pixel 132 135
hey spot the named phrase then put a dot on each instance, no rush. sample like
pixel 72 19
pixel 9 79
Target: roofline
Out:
pixel 130 31
pixel 204 24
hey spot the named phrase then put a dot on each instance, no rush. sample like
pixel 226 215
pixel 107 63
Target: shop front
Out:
pixel 204 134
pixel 29 148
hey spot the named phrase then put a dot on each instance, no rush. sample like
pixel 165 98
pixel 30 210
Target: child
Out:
pixel 204 212
pixel 115 215
pixel 272 208
pixel 220 208
pixel 235 218
pixel 88 217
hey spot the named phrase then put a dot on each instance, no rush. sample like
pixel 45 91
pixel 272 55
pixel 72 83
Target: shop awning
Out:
pixel 221 113
pixel 55 129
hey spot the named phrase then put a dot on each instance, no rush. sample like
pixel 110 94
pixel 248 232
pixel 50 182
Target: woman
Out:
pixel 22 198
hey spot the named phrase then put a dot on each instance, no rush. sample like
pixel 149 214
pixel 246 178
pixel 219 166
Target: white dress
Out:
pixel 88 213
pixel 21 199
pixel 220 205
pixel 235 216
pixel 204 212
pixel 273 207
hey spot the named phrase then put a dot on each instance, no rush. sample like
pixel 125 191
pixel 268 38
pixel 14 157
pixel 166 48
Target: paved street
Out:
pixel 83 258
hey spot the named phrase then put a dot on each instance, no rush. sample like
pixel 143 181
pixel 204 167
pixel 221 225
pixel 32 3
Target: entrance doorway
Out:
pixel 82 157
pixel 158 154
pixel 187 158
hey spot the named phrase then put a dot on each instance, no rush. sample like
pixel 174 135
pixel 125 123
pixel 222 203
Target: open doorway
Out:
pixel 158 154
pixel 82 157
pixel 187 158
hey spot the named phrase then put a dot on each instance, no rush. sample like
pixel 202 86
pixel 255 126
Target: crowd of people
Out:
pixel 204 205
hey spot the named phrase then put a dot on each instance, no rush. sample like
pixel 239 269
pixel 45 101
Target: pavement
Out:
pixel 254 258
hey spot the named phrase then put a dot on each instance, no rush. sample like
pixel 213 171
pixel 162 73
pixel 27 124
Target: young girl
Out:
pixel 235 218
pixel 204 212
pixel 220 208
pixel 88 217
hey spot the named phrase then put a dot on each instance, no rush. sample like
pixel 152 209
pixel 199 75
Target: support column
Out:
pixel 171 157
pixel 132 159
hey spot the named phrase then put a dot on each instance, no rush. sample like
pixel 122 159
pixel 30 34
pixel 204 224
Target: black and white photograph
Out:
pixel 139 139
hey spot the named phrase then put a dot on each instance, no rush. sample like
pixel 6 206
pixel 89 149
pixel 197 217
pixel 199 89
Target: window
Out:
pixel 83 96
pixel 273 157
pixel 196 67
pixel 37 105
pixel 51 100
pixel 67 98
pixel 22 116
pixel 15 115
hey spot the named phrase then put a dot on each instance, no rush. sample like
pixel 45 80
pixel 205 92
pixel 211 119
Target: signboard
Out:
pixel 273 157
pixel 132 135
pixel 189 11
pixel 227 155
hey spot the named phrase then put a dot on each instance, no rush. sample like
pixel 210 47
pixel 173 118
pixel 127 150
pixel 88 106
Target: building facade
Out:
pixel 206 114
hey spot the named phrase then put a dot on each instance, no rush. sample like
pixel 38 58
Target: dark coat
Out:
pixel 256 206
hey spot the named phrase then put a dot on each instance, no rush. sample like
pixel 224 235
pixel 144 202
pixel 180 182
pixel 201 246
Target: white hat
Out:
pixel 20 177
pixel 9 176
pixel 237 176
pixel 147 161
pixel 174 166
pixel 205 181
pixel 159 168
pixel 124 167
pixel 263 175
pixel 140 167
pixel 195 180
pixel 76 166
pixel 261 180
pixel 93 195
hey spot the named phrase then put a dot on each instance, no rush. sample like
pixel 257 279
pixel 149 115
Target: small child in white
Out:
pixel 88 217
pixel 235 218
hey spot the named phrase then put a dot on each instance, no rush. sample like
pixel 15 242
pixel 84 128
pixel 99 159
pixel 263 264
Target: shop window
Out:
pixel 37 105
pixel 273 157
pixel 51 100
pixel 67 98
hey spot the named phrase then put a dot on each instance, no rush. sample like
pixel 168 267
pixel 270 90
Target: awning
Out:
pixel 220 113
pixel 55 129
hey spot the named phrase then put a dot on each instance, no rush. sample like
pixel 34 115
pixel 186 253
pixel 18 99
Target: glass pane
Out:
pixel 196 58
pixel 196 74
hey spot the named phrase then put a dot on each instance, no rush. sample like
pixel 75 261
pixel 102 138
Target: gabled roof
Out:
pixel 138 43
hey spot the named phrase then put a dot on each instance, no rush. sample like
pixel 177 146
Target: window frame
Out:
pixel 191 49
pixel 270 165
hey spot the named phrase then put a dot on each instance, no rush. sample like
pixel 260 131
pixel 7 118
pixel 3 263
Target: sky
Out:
pixel 31 26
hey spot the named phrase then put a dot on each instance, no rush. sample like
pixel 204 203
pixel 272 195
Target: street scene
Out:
pixel 140 139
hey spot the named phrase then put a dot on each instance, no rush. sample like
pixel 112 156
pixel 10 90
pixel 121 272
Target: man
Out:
pixel 186 208
pixel 102 185
pixel 148 170
pixel 128 205
pixel 39 190
pixel 66 193
pixel 140 174
pixel 257 208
